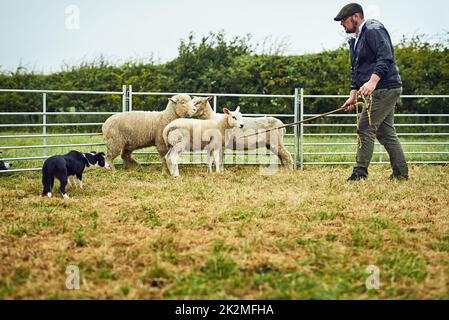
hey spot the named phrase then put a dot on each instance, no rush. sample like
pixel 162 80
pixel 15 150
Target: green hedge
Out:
pixel 214 64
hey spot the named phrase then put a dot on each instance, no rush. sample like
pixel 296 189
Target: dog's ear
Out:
pixel 93 152
pixel 101 154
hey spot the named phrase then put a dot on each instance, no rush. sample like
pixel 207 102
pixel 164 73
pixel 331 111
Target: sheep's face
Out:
pixel 183 105
pixel 203 107
pixel 235 118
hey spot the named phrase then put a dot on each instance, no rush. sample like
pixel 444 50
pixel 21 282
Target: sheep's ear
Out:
pixel 171 99
pixel 226 111
pixel 238 109
pixel 209 98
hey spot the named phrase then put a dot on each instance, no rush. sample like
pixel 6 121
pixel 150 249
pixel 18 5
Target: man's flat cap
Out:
pixel 348 10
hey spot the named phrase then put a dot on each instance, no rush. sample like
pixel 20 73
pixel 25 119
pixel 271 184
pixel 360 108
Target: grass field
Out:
pixel 293 235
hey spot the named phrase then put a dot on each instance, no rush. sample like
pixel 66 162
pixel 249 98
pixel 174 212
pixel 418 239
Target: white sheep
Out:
pixel 273 140
pixel 125 132
pixel 194 134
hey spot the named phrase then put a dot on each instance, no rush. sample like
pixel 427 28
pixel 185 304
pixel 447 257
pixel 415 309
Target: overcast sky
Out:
pixel 43 34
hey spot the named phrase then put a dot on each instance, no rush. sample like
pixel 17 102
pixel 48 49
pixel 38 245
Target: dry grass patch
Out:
pixel 304 234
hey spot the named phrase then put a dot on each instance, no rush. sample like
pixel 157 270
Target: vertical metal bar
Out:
pixel 301 129
pixel 124 98
pixel 130 98
pixel 44 124
pixel 296 107
pixel 215 103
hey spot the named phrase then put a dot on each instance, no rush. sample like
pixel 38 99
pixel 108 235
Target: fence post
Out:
pixel 124 98
pixel 44 124
pixel 130 98
pixel 301 131
pixel 296 107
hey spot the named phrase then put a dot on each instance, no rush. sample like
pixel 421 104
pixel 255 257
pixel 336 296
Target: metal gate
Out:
pixel 300 141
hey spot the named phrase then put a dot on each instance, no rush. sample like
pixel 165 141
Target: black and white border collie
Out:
pixel 4 165
pixel 68 165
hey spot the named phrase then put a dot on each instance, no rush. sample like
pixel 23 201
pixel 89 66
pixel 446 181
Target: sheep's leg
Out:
pixel 285 157
pixel 177 155
pixel 218 160
pixel 216 155
pixel 162 154
pixel 172 158
pixel 210 160
pixel 280 150
pixel 113 151
pixel 170 164
pixel 177 167
pixel 276 146
pixel 110 162
pixel 282 153
pixel 127 159
pixel 222 151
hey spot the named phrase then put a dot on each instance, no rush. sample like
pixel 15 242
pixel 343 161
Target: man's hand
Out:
pixel 350 103
pixel 368 88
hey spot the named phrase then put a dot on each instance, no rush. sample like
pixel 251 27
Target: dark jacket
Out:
pixel 374 53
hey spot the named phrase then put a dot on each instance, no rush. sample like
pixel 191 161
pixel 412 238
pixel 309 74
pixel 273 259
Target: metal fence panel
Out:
pixel 301 139
pixel 306 136
pixel 46 124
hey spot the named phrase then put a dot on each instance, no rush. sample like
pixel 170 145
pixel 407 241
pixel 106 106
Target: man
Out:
pixel 373 72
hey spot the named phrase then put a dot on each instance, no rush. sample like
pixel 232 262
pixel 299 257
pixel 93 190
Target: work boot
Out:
pixel 357 177
pixel 398 177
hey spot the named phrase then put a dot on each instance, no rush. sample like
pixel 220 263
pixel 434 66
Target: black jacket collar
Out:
pixel 352 40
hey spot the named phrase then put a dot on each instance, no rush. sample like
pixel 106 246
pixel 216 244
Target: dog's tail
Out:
pixel 47 181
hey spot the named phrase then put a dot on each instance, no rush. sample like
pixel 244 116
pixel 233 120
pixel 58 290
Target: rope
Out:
pixel 296 123
pixel 366 105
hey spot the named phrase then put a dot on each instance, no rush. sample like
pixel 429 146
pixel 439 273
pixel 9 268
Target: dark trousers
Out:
pixel 382 128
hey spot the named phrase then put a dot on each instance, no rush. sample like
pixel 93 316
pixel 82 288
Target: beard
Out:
pixel 353 28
